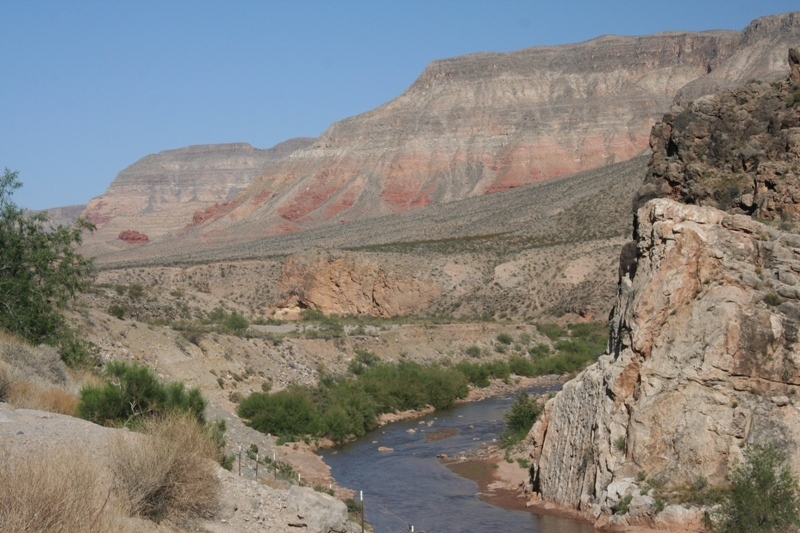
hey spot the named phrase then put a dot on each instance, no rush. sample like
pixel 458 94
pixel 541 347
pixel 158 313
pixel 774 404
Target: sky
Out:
pixel 89 87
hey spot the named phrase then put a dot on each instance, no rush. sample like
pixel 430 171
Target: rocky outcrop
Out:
pixel 488 122
pixel 315 512
pixel 703 351
pixel 738 150
pixel 351 284
pixel 161 192
pixel 133 237
pixel 702 361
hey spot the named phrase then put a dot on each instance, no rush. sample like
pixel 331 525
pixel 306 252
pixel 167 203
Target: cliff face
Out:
pixel 703 353
pixel 161 192
pixel 350 284
pixel 486 122
pixel 737 150
pixel 700 364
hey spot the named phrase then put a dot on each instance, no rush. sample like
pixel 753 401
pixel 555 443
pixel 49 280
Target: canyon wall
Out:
pixel 162 192
pixel 703 352
pixel 488 122
pixel 352 284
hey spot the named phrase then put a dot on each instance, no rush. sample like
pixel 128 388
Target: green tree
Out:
pixel 40 270
pixel 520 418
pixel 236 323
pixel 764 495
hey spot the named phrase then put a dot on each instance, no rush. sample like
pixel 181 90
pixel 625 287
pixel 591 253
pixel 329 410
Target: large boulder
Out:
pixel 316 512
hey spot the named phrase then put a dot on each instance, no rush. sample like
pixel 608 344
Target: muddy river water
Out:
pixel 409 486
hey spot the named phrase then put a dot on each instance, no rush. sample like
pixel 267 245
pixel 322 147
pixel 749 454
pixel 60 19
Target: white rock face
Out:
pixel 699 365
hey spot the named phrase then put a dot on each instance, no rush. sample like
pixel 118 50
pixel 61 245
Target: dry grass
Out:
pixel 26 395
pixel 34 377
pixel 57 491
pixel 6 336
pixel 169 473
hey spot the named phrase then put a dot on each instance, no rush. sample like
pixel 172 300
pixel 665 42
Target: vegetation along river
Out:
pixel 410 486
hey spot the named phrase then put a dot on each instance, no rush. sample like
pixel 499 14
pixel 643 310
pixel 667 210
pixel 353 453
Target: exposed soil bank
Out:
pixel 506 485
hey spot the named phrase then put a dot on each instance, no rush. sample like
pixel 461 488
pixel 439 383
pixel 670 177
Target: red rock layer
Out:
pixel 489 122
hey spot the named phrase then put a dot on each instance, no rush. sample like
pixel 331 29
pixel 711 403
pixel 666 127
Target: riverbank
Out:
pixel 507 485
pixel 504 484
pixel 307 462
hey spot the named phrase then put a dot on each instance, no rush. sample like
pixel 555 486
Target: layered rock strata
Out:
pixel 161 192
pixel 349 284
pixel 487 122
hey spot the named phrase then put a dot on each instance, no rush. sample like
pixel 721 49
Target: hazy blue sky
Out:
pixel 89 87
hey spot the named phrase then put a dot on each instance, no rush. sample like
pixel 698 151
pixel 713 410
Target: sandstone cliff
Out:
pixel 345 284
pixel 703 352
pixel 161 192
pixel 488 122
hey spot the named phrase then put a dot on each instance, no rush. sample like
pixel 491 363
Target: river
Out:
pixel 410 486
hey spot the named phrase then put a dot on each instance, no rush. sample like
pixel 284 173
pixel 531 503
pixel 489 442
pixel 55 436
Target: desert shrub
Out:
pixel 474 351
pixel 353 507
pixel 35 378
pixel 475 373
pixel 118 311
pixel 764 495
pixel 235 323
pixel 585 346
pixel 343 408
pixel 324 489
pixel 551 330
pixel 310 315
pixel 136 291
pixel 521 366
pixel 540 350
pixel 520 418
pixel 505 338
pixel 329 327
pixel 367 358
pixel 479 374
pixel 772 298
pixel 363 359
pixel 60 491
pixel 559 364
pixel 216 315
pixel 443 387
pixel 499 370
pixel 133 392
pixel 169 472
pixel 192 335
pixel 289 411
pixel 623 505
